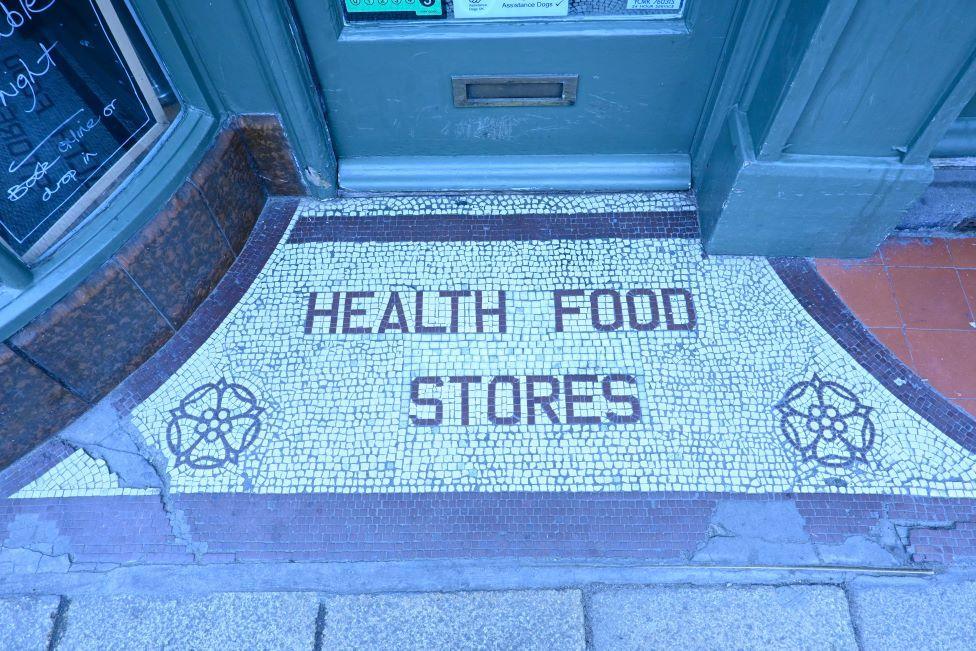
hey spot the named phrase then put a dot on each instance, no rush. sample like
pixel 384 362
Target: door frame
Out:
pixel 621 172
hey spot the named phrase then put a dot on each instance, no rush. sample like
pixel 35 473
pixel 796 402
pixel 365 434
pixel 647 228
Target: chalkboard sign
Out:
pixel 76 109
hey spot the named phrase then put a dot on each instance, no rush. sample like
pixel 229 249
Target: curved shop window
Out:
pixel 81 100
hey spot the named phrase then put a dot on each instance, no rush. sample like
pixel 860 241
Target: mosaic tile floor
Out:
pixel 420 355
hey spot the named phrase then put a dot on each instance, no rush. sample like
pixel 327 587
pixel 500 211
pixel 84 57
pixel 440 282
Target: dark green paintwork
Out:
pixel 960 140
pixel 641 91
pixel 222 57
pixel 890 67
pixel 778 207
pixel 828 139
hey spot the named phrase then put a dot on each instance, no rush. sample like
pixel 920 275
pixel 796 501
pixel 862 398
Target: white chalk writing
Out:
pixel 13 18
pixel 16 192
pixel 27 80
pixel 68 177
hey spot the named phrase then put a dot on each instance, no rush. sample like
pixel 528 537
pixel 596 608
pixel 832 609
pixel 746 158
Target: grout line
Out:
pixel 852 616
pixel 146 296
pixel 904 325
pixel 29 359
pixel 965 297
pixel 213 217
pixel 918 329
pixel 586 599
pixel 252 163
pixel 319 626
pixel 60 623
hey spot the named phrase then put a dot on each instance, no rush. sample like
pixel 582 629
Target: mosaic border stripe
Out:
pixel 824 305
pixel 34 464
pixel 662 526
pixel 679 224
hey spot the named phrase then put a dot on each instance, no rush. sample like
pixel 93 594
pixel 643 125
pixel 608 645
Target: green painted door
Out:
pixel 416 102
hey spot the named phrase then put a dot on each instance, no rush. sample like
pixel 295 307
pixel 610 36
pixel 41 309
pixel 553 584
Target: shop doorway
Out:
pixel 432 95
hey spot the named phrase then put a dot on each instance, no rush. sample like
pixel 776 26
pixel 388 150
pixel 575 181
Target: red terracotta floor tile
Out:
pixel 968 405
pixel 947 359
pixel 916 252
pixel 968 279
pixel 963 251
pixel 866 291
pixel 930 298
pixel 894 340
pixel 875 259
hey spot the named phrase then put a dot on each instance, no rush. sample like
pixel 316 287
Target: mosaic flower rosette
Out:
pixel 213 425
pixel 826 422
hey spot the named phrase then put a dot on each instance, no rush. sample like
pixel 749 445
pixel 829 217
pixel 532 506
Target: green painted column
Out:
pixel 823 124
pixel 248 57
pixel 13 272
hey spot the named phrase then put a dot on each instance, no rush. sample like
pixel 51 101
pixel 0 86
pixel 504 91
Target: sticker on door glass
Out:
pixel 659 6
pixel 359 9
pixel 509 8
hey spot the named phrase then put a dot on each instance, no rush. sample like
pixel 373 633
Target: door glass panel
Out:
pixel 468 10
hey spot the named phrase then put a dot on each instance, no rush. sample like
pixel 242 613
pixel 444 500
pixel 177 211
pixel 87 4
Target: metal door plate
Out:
pixel 514 90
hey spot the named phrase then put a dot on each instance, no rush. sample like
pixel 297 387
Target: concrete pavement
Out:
pixel 887 614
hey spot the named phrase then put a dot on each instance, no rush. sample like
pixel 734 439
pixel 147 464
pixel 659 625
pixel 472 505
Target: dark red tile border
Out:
pixel 666 527
pixel 488 228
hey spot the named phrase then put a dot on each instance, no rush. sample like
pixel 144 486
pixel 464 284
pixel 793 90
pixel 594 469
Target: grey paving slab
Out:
pixel 752 617
pixel 538 619
pixel 221 621
pixel 927 617
pixel 27 622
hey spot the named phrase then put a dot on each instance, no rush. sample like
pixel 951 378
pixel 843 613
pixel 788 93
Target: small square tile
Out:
pixel 930 298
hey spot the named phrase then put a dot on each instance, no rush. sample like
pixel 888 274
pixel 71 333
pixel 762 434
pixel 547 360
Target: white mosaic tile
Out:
pixel 264 407
pixel 505 204
pixel 76 476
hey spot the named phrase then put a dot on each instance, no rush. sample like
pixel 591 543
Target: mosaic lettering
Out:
pixel 428 312
pixel 635 309
pixel 486 312
pixel 579 399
